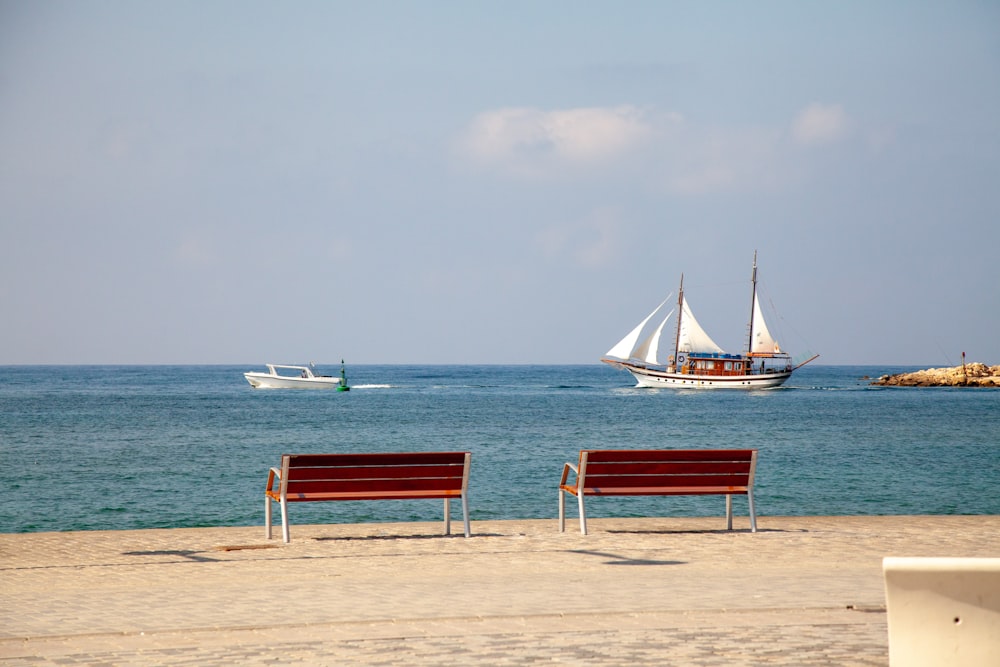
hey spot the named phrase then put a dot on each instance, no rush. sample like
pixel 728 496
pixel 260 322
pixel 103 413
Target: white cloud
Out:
pixel 707 160
pixel 527 139
pixel 819 124
pixel 655 149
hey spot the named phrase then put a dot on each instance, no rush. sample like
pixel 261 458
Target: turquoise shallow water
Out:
pixel 124 447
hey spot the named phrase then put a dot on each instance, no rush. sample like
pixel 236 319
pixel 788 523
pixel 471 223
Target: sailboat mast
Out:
pixel 753 300
pixel 680 314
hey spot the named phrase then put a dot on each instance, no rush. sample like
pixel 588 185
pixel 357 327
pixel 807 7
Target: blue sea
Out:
pixel 126 447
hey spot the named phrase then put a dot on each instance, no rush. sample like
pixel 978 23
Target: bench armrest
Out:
pixel 565 473
pixel 275 473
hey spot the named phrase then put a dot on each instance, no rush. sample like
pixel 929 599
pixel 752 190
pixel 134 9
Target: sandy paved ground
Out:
pixel 664 591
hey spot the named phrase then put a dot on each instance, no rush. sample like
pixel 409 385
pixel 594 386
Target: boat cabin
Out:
pixel 720 364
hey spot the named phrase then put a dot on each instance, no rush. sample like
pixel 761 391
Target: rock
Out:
pixel 972 375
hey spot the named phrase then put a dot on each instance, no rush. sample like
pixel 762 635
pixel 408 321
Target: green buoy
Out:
pixel 343 379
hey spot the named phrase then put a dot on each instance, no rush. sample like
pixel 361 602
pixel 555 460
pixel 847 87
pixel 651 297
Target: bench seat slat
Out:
pixel 402 458
pixel 666 481
pixel 371 495
pixel 658 490
pixel 376 472
pixel 375 485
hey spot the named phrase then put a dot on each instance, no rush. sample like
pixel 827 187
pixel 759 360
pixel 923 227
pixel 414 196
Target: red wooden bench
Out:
pixel 403 476
pixel 660 472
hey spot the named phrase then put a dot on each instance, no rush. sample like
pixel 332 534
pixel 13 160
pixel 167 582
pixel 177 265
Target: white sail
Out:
pixel 763 342
pixel 654 342
pixel 692 337
pixel 627 347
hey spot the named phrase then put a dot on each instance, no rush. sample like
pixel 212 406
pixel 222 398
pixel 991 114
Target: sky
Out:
pixel 512 182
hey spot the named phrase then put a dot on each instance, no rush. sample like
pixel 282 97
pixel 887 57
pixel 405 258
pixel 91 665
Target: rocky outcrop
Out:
pixel 969 375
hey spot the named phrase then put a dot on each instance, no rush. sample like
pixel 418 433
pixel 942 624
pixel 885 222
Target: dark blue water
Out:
pixel 123 447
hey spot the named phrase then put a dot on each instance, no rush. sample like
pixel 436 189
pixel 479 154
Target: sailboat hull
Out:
pixel 651 377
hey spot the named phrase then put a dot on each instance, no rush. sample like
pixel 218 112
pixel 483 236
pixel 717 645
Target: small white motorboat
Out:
pixel 300 377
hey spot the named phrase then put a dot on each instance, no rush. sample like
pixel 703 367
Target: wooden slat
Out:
pixel 599 455
pixel 372 495
pixel 394 458
pixel 664 491
pixel 377 472
pixel 361 485
pixel 666 480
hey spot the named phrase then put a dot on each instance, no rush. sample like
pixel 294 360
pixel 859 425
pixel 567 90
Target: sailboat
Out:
pixel 697 362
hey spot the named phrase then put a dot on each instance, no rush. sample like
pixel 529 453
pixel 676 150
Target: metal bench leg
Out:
pixel 583 516
pixel 562 511
pixel 267 517
pixel 284 522
pixel 753 512
pixel 465 514
pixel 447 516
pixel 729 511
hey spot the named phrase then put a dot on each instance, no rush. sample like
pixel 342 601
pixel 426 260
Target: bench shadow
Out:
pixel 194 556
pixel 721 531
pixel 370 538
pixel 616 559
pixel 200 556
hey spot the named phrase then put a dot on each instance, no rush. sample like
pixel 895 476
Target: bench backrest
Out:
pixel 344 473
pixel 624 468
